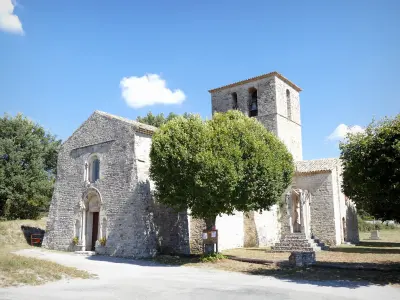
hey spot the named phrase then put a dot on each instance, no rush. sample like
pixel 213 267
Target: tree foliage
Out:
pixel 158 120
pixel 371 174
pixel 218 166
pixel 28 159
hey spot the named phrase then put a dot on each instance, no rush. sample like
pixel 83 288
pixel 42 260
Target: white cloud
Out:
pixel 9 22
pixel 342 130
pixel 148 90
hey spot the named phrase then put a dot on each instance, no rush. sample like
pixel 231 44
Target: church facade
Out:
pixel 103 201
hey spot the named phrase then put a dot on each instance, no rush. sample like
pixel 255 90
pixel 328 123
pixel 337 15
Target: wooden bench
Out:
pixel 36 239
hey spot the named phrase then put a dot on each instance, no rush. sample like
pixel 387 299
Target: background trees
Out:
pixel 218 166
pixel 371 175
pixel 28 158
pixel 158 120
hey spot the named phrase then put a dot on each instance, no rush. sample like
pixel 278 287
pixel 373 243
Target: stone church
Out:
pixel 103 201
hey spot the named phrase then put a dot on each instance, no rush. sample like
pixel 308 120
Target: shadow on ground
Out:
pixel 355 275
pixel 378 244
pixel 361 249
pixel 351 275
pixel 33 232
pixel 158 261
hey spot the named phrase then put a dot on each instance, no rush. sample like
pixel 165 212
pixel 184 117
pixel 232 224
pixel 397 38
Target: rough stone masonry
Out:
pixel 103 192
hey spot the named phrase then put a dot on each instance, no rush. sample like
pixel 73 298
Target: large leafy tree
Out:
pixel 28 159
pixel 371 168
pixel 158 120
pixel 218 166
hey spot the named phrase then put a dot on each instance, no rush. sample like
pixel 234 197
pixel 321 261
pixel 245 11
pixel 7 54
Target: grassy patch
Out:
pixel 177 260
pixel 212 257
pixel 18 270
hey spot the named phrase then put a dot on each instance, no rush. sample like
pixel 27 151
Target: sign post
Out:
pixel 210 239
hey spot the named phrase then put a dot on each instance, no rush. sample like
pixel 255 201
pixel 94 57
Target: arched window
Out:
pixel 253 103
pixel 94 169
pixel 234 101
pixel 288 105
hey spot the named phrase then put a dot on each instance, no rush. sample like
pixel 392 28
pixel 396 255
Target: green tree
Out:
pixel 158 120
pixel 371 168
pixel 28 159
pixel 218 166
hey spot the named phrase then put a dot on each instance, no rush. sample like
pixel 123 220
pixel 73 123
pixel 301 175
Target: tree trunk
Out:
pixel 210 224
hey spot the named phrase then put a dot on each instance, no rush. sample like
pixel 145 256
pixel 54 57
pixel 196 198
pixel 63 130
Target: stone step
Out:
pixel 298 240
pixel 296 245
pixel 85 253
pixel 295 237
pixel 283 247
pixel 291 249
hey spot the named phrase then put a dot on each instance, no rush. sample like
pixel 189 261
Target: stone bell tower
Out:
pixel 272 99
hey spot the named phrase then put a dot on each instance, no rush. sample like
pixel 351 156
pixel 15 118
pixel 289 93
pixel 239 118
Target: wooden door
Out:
pixel 95 229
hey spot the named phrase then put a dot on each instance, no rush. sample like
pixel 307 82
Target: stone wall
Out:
pixel 337 207
pixel 230 231
pixel 289 129
pixel 322 204
pixel 113 141
pixel 135 225
pixel 171 228
pixel 290 134
pixel 352 234
pixel 266 226
pixel 196 229
pixel 222 100
pixel 250 230
pixel 272 108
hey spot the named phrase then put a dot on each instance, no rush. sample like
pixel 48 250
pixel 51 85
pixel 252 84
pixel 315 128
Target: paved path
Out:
pixel 130 279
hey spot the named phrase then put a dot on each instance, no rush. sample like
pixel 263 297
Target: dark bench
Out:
pixel 36 239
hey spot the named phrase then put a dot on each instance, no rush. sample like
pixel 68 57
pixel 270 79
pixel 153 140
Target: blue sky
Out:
pixel 61 60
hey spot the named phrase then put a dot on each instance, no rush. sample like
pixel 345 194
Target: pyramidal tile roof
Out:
pixel 317 165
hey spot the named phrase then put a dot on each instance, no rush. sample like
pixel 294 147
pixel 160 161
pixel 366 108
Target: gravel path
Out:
pixel 131 279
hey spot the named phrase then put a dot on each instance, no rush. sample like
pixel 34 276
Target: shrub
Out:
pixel 366 226
pixel 103 241
pixel 75 240
pixel 390 226
pixel 212 257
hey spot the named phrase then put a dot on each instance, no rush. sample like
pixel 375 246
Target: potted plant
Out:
pixel 100 245
pixel 103 241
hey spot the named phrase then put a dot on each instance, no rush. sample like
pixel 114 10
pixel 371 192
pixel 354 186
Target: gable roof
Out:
pixel 139 127
pixel 317 165
pixel 280 76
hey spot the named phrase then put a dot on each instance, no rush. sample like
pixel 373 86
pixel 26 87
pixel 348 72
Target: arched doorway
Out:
pixel 92 229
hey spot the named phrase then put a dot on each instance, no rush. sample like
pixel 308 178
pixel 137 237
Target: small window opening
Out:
pixel 94 169
pixel 253 103
pixel 234 101
pixel 288 105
